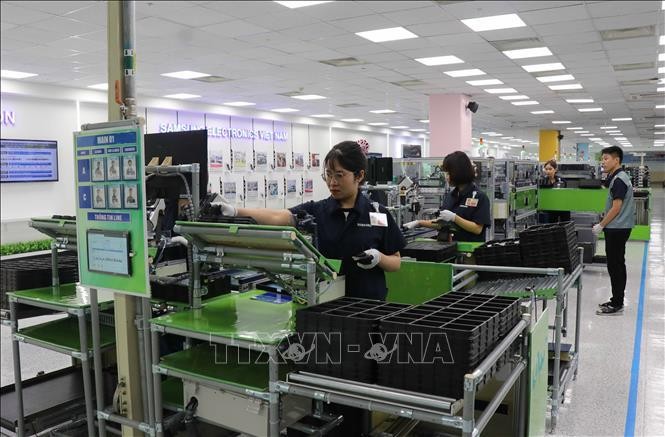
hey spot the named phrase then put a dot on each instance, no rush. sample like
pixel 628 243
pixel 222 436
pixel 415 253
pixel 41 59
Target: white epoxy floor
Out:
pixel 597 402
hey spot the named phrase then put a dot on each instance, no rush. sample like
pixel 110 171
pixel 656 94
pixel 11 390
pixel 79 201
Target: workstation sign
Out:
pixel 111 210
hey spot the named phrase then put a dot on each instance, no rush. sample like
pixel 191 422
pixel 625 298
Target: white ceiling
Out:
pixel 267 49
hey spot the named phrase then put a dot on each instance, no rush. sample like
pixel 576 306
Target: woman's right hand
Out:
pixel 411 225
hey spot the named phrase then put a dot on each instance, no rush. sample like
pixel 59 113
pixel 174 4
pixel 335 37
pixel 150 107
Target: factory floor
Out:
pixel 620 388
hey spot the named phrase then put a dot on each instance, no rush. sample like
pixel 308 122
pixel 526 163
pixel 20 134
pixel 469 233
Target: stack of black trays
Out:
pixel 339 335
pixel 434 251
pixel 499 253
pixel 438 342
pixel 550 245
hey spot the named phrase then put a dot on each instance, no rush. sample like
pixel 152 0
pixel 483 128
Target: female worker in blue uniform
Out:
pixel 348 224
pixel 465 206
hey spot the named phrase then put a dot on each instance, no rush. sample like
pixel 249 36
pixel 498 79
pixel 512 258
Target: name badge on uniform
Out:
pixel 472 201
pixel 378 219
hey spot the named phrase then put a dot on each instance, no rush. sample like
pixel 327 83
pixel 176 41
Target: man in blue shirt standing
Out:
pixel 617 224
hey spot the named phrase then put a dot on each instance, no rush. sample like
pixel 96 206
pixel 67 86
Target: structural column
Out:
pixel 449 124
pixel 548 145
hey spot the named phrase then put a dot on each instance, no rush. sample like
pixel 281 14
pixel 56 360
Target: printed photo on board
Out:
pixel 131 196
pixel 99 198
pixel 98 171
pixel 115 198
pixel 129 167
pixel 113 168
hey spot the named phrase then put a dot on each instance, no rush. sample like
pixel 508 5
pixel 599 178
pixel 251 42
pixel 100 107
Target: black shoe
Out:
pixel 605 304
pixel 610 310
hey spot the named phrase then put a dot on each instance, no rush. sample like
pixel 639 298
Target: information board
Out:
pixel 28 161
pixel 111 210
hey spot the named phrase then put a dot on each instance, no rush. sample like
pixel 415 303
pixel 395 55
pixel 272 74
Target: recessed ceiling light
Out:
pixel 556 78
pixel 659 125
pixel 660 89
pixel 389 34
pixel 495 22
pixel 382 111
pixel 378 124
pixel 239 104
pixel 661 40
pixel 285 110
pixel 582 132
pixel 308 97
pixel 500 90
pixel 399 127
pixel 524 103
pixel 182 96
pixel 547 111
pixel 614 134
pixel 507 138
pixel 528 53
pixel 661 56
pixel 612 131
pixel 185 74
pixel 494 134
pixel 100 86
pixel 579 100
pixel 589 109
pixel 596 139
pixel 484 82
pixel 574 128
pixel 322 115
pixel 660 106
pixel 464 73
pixel 570 86
pixel 608 127
pixel 440 60
pixel 587 135
pixel 561 122
pixel 518 97
pixel 352 120
pixel 622 119
pixel 661 70
pixel 300 4
pixel 10 74
pixel 544 67
pixel 620 138
pixel 418 130
pixel 659 133
pixel 424 121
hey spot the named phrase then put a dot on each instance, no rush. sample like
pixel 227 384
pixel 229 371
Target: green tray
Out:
pixel 237 316
pixel 65 295
pixel 218 363
pixel 172 394
pixel 64 333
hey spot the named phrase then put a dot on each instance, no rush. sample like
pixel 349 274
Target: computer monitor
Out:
pixel 379 170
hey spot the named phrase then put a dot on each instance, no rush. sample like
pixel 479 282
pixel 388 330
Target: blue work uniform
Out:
pixel 471 204
pixel 341 237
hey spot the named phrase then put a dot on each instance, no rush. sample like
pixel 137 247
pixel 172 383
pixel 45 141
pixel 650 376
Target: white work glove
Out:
pixel 228 209
pixel 411 225
pixel 447 215
pixel 376 257
pixel 597 229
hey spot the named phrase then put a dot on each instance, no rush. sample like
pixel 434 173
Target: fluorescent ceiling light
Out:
pixel 661 41
pixel 418 130
pixel 660 90
pixel 500 90
pixel 659 133
pixel 620 138
pixel 507 138
pixel 389 34
pixel 570 86
pixel 528 53
pixel 596 139
pixel 399 127
pixel 579 100
pixel 661 70
pixel 440 60
pixel 518 97
pixel 612 131
pixel 556 78
pixel 589 109
pixel 608 127
pixel 544 67
pixel 100 86
pixel 494 134
pixel 582 132
pixel 661 56
pixel 614 134
pixel 182 96
pixel 488 133
pixel 352 120
pixel 186 74
pixel 574 128
pixel 525 103
pixel 587 135
pixel 322 115
pixel 378 124
pixel 547 111
pixel 239 104
pixel 284 110
pixel 464 73
pixel 424 121
pixel 622 119
pixel 660 106
pixel 561 122
pixel 9 74
pixel 301 4
pixel 495 22
pixel 484 82
pixel 382 111
pixel 308 97
pixel 659 125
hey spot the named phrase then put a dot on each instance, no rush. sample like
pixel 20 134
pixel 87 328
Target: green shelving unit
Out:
pixel 63 335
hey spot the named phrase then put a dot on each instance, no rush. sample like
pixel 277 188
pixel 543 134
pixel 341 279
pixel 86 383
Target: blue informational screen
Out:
pixel 108 252
pixel 28 161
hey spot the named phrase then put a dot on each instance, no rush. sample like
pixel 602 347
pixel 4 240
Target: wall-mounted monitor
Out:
pixel 28 161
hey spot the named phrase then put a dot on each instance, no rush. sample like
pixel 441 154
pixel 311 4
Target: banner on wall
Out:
pixel 411 151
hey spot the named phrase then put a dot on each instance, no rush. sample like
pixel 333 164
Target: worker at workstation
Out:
pixel 465 206
pixel 552 180
pixel 350 227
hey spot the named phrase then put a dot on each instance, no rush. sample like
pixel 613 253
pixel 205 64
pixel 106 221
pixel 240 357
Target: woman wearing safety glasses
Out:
pixel 465 206
pixel 350 227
